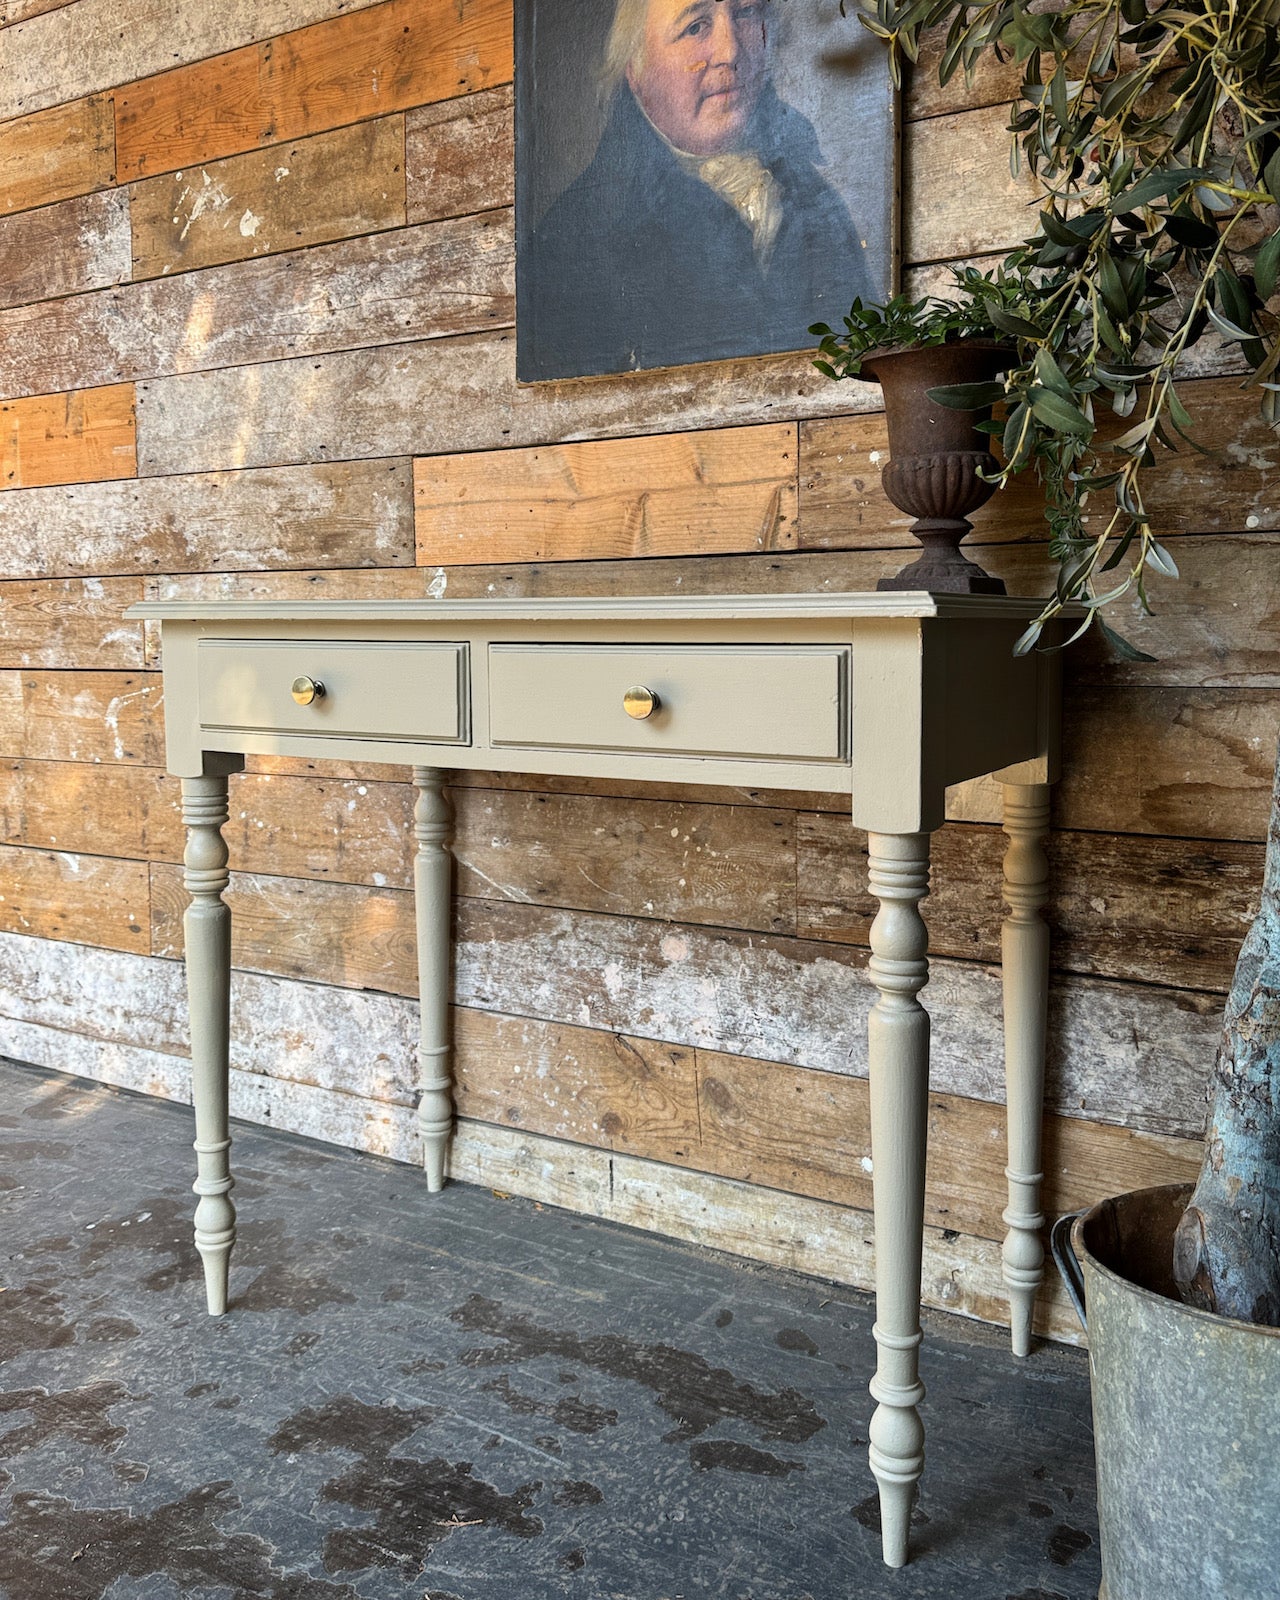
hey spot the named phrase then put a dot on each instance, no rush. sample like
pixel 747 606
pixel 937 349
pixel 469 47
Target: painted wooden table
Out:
pixel 883 698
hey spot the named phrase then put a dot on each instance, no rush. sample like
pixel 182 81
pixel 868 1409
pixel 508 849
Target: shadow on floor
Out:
pixel 462 1397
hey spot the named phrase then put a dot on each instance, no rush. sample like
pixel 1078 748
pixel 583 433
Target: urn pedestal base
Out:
pixel 939 489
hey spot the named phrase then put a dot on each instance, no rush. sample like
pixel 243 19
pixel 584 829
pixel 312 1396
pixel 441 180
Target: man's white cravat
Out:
pixel 741 178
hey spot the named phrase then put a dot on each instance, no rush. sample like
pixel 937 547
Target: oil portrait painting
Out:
pixel 695 179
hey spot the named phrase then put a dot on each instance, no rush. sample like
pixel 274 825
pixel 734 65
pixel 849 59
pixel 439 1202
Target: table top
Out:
pixel 648 608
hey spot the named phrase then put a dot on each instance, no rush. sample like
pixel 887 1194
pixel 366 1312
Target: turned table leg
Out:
pixel 207 927
pixel 432 884
pixel 898 1064
pixel 1025 949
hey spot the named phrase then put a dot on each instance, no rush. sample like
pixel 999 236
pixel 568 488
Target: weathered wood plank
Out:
pixel 787 1128
pixel 959 196
pixel 83 899
pixel 1151 910
pixel 332 186
pixel 399 54
pixel 1204 763
pixel 64 249
pixel 66 438
pixel 345 515
pixel 621 1093
pixel 349 831
pixel 460 155
pixel 1159 911
pixel 70 622
pixel 56 154
pixel 12 716
pixel 461 394
pixel 1234 490
pixel 107 809
pixel 715 865
pixel 442 279
pixel 84 716
pixel 98 44
pixel 726 489
pixel 368 941
pixel 995 82
pixel 1127 1054
pixel 12 11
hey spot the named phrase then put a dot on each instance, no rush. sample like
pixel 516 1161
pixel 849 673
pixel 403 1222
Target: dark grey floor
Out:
pixel 466 1398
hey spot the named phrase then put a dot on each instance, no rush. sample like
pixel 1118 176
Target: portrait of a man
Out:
pixel 696 179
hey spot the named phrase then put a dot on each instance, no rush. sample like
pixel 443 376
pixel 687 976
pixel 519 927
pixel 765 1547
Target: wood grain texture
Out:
pixel 64 249
pixel 106 810
pixel 12 11
pixel 729 489
pixel 786 1128
pixel 56 154
pixel 1152 910
pixel 444 278
pixel 995 83
pixel 460 155
pixel 394 55
pixel 1158 911
pixel 959 197
pixel 332 186
pixel 795 1001
pixel 960 1275
pixel 98 44
pixel 82 716
pixel 12 718
pixel 622 1095
pixel 70 622
pixel 461 394
pixel 722 866
pixel 346 514
pixel 67 438
pixel 1207 758
pixel 86 899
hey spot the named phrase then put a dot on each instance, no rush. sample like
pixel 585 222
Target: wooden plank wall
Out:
pixel 256 306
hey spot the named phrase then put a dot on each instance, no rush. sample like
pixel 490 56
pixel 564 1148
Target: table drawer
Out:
pixel 412 691
pixel 780 703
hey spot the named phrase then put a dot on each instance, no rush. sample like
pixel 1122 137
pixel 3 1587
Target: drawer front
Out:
pixel 371 690
pixel 780 703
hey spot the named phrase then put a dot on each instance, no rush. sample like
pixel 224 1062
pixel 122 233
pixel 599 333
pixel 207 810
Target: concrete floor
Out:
pixel 466 1397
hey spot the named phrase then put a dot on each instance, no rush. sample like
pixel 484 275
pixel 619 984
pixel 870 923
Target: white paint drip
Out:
pixel 439 583
pixel 210 196
pixel 249 225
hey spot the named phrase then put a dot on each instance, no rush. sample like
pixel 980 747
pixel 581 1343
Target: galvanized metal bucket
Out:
pixel 1186 1413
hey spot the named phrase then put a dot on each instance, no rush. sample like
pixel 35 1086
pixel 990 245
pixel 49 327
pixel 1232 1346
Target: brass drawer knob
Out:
pixel 639 702
pixel 305 690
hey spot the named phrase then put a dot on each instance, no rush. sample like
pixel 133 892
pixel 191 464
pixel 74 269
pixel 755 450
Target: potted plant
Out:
pixel 1154 133
pixel 1154 128
pixel 937 362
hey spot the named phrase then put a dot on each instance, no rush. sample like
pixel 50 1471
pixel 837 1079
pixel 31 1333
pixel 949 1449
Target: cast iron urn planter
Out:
pixel 939 464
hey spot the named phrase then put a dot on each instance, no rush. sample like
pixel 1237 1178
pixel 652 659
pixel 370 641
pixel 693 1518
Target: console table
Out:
pixel 882 698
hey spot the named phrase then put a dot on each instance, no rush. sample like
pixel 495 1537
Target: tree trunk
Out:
pixel 1226 1253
